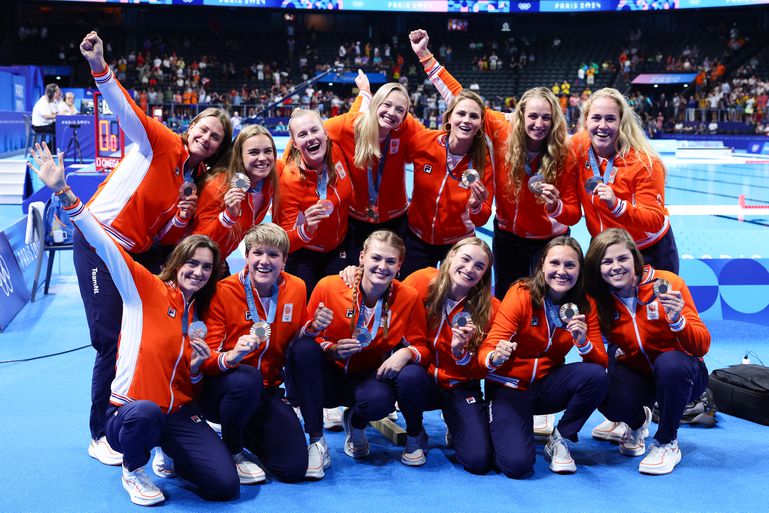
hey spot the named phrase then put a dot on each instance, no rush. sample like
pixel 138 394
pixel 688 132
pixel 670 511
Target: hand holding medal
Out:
pixel 462 329
pixel 197 329
pixel 261 331
pixel 347 347
pixel 478 193
pixel 574 322
pixel 188 200
pixel 671 300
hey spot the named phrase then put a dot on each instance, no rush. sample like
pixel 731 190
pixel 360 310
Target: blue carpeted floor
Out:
pixel 45 466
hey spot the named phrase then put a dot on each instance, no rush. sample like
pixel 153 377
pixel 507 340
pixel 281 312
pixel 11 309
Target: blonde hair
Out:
pixel 366 126
pixel 631 134
pixel 553 150
pixel 294 155
pixel 269 235
pixel 478 300
pixel 392 240
pixel 478 149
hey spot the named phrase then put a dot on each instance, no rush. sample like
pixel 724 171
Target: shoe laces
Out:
pixel 140 477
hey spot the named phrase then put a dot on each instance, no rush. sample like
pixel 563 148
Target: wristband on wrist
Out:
pixel 426 58
pixel 65 190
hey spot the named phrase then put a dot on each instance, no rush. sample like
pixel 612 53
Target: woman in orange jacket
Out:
pixel 649 316
pixel 157 372
pixel 314 200
pixel 355 360
pixel 541 318
pixel 237 197
pixel 536 199
pixel 459 309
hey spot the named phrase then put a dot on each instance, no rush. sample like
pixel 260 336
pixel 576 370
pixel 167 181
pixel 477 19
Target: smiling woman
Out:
pixel 541 318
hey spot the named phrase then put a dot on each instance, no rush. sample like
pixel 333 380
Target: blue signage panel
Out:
pixel 13 291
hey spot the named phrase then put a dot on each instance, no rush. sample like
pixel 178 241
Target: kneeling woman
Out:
pixel 254 316
pixel 354 361
pixel 158 364
pixel 459 309
pixel 539 321
pixel 650 316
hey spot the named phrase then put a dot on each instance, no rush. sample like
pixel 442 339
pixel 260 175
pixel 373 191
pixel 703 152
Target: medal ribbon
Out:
pixel 375 181
pixel 527 167
pixel 377 318
pixel 322 189
pixel 608 176
pixel 252 304
pixel 449 171
pixel 551 310
pixel 186 318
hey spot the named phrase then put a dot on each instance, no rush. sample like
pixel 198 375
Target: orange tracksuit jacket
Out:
pixel 538 352
pixel 439 213
pixel 447 370
pixel 521 215
pixel 645 333
pixel 406 318
pixel 137 202
pixel 640 195
pixel 392 200
pixel 229 318
pixel 153 358
pixel 296 194
pixel 212 219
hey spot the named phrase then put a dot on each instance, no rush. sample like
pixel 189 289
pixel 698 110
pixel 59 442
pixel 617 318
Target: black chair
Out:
pixel 50 249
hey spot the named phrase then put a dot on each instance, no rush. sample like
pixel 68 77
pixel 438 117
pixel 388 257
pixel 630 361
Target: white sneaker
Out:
pixel 163 464
pixel 332 419
pixel 355 442
pixel 661 459
pixel 140 488
pixel 101 450
pixel 415 452
pixel 633 442
pixel 557 451
pixel 248 471
pixel 216 427
pixel 544 425
pixel 318 459
pixel 393 415
pixel 609 431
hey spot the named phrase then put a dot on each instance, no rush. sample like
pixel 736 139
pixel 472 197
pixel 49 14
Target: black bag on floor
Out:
pixel 701 412
pixel 742 391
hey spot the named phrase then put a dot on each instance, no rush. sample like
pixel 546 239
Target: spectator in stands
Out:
pixel 45 110
pixel 143 198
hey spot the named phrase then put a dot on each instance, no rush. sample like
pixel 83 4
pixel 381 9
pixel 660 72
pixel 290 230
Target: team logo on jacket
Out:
pixel 428 169
pixel 171 312
pixel 196 419
pixel 350 312
pixel 470 400
pixel 248 315
pixel 340 170
pixel 615 317
pixel 395 144
pixel 288 311
pixel 535 321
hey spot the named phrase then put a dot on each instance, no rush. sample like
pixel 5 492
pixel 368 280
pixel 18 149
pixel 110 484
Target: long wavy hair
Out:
pixel 478 149
pixel 366 126
pixel 295 156
pixel 631 134
pixel 553 150
pixel 183 252
pixel 389 239
pixel 222 154
pixel 538 288
pixel 598 288
pixel 477 301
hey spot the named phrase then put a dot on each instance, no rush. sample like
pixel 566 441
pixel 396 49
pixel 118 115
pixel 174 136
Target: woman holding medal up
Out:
pixel 235 198
pixel 151 191
pixel 253 318
pixel 650 316
pixel 541 318
pixel 354 361
pixel 157 370
pixel 314 199
pixel 621 178
pixel 459 309
pixel 536 199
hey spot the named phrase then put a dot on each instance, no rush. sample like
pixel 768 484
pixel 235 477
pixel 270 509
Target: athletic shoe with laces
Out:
pixel 332 419
pixel 557 451
pixel 248 471
pixel 318 459
pixel 163 464
pixel 544 425
pixel 140 488
pixel 632 442
pixel 102 451
pixel 609 431
pixel 661 458
pixel 415 452
pixel 355 441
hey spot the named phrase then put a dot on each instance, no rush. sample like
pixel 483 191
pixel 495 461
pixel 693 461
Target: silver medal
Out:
pixel 240 181
pixel 363 336
pixel 469 176
pixel 567 312
pixel 535 184
pixel 461 319
pixel 261 330
pixel 591 183
pixel 197 329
